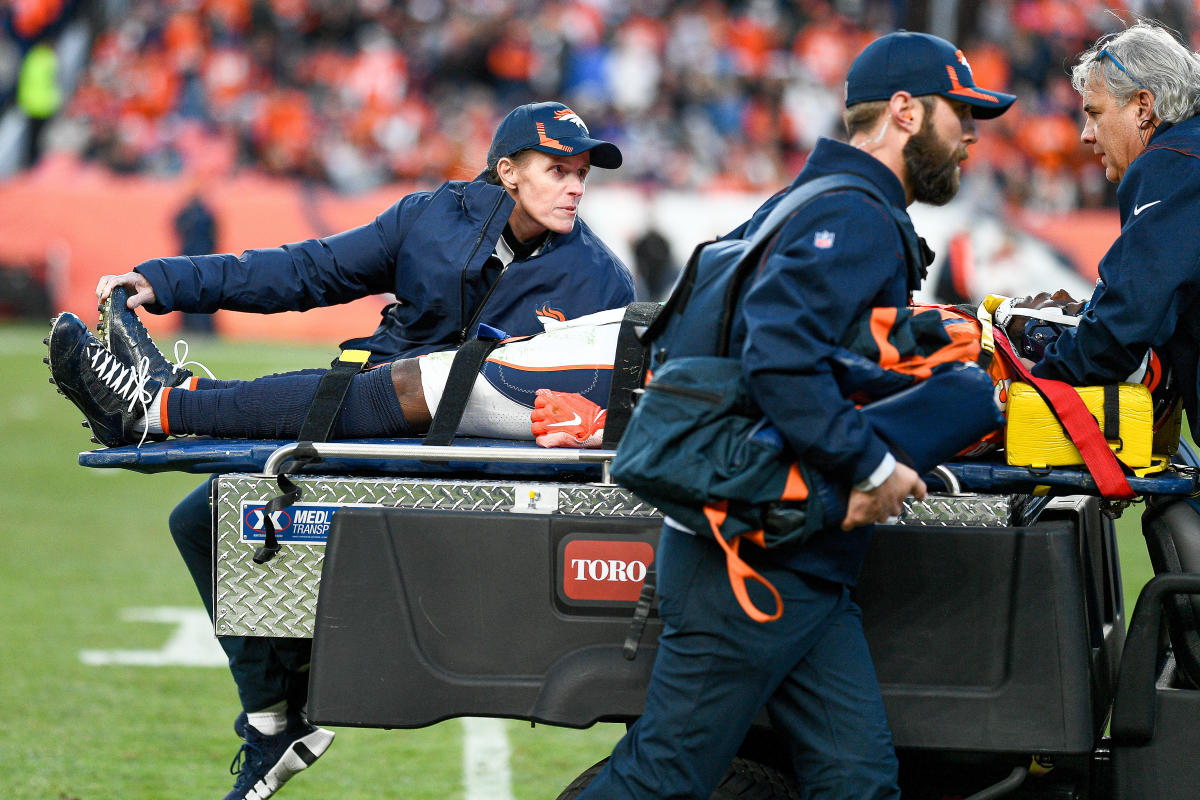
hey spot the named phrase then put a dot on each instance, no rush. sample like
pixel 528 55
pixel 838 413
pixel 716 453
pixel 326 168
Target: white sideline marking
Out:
pixel 486 773
pixel 191 644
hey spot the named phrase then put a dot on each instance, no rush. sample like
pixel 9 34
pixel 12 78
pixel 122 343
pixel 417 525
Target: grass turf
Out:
pixel 80 545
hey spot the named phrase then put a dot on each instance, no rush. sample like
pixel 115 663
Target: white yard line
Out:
pixel 191 643
pixel 486 772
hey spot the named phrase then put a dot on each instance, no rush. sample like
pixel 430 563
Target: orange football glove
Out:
pixel 566 419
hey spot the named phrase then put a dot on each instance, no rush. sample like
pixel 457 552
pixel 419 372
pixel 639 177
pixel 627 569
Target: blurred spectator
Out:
pixel 653 265
pixel 700 94
pixel 196 228
pixel 38 96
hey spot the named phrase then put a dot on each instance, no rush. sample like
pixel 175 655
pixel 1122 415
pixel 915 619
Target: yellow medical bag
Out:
pixel 1125 412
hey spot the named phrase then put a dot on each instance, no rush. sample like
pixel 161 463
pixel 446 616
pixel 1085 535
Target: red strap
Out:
pixel 1079 424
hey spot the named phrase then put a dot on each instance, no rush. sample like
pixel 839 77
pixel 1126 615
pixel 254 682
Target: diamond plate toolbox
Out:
pixel 279 598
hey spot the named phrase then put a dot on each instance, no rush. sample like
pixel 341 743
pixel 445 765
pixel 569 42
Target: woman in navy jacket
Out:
pixel 503 250
pixel 432 250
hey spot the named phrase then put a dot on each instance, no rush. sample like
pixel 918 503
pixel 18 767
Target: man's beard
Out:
pixel 932 166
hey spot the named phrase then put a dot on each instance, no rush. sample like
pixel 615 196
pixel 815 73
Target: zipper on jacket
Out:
pixel 462 280
pixel 465 333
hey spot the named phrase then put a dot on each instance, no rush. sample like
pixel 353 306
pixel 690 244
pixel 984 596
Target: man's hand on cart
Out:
pixel 566 419
pixel 884 503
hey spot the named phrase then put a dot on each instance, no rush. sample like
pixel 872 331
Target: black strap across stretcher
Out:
pixel 464 371
pixel 630 362
pixel 317 425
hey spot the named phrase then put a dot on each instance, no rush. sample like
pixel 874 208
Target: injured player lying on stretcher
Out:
pixel 130 393
pixel 550 387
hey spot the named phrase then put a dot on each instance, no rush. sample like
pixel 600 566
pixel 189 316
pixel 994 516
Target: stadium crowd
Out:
pixel 700 94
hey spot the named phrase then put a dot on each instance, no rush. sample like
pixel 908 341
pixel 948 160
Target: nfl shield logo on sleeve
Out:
pixel 823 240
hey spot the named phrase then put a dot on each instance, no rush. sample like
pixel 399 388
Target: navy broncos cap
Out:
pixel 920 64
pixel 550 128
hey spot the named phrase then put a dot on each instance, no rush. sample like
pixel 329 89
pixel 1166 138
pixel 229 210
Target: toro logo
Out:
pixel 605 569
pixel 299 523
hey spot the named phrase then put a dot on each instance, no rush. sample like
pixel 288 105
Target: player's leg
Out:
pixel 575 359
pixel 274 407
pixel 124 406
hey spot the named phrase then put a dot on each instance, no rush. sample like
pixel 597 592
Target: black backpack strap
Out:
pixel 630 361
pixel 914 250
pixel 677 299
pixel 916 255
pixel 463 373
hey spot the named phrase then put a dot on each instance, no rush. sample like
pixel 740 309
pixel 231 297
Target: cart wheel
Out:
pixel 745 780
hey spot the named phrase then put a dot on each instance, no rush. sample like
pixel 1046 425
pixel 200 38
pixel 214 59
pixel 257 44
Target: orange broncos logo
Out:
pixel 552 313
pixel 570 116
pixel 962 59
pixel 546 141
pixel 566 115
pixel 956 87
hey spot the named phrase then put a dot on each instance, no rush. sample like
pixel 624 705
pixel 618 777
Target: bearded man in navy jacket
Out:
pixel 911 105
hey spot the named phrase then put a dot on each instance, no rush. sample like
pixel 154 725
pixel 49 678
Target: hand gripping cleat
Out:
pixel 112 395
pixel 126 337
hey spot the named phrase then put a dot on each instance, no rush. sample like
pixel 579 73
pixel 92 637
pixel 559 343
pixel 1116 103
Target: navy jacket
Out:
pixel 1150 277
pixel 837 257
pixel 429 250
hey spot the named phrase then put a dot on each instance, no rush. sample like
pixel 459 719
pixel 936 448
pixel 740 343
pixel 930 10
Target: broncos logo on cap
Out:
pixel 568 115
pixel 962 59
pixel 956 86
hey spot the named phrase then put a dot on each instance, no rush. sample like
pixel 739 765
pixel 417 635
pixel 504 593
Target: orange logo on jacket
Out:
pixel 551 313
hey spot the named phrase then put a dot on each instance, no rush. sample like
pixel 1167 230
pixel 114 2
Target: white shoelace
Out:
pixel 181 361
pixel 128 383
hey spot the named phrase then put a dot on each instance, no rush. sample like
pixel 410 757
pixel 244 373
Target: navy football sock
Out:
pixel 216 383
pixel 274 407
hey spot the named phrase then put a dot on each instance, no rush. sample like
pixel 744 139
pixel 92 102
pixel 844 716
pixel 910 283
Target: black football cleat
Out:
pixel 126 337
pixel 112 395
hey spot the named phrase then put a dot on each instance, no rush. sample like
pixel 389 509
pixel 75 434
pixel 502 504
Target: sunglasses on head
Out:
pixel 1106 52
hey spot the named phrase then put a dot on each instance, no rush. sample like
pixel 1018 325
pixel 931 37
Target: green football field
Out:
pixel 84 549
